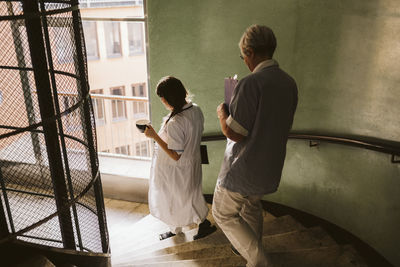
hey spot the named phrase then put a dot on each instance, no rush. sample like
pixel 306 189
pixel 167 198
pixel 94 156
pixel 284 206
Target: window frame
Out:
pixel 61 57
pixel 135 86
pixel 125 115
pixel 119 150
pixel 113 55
pixel 97 57
pixel 99 121
pixel 143 146
pixel 130 33
pixel 125 54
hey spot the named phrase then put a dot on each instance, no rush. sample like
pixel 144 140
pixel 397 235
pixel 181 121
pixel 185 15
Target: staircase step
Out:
pixel 122 213
pixel 303 239
pixel 333 256
pixel 144 233
pixel 147 224
pixel 150 224
pixel 134 233
pixel 151 242
pixel 140 231
pixel 137 229
pixel 124 253
pixel 271 227
pixel 287 242
pixel 209 262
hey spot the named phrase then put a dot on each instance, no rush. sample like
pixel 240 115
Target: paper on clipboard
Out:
pixel 230 84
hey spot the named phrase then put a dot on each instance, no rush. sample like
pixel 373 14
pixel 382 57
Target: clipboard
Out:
pixel 230 84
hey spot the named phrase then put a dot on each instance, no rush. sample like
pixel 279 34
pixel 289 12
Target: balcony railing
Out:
pixel 116 118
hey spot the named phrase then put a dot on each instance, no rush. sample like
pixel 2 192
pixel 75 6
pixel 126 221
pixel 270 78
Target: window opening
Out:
pixel 118 106
pixel 98 108
pixel 113 38
pixel 123 150
pixel 90 30
pixel 135 37
pixel 62 44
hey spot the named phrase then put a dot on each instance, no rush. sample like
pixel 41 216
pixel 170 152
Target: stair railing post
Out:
pixel 3 220
pixel 19 52
pixel 41 73
pixel 84 90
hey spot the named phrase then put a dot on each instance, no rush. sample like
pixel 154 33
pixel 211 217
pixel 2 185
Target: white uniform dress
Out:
pixel 175 189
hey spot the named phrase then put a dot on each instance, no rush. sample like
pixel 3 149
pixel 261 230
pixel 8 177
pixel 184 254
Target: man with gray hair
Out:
pixel 257 127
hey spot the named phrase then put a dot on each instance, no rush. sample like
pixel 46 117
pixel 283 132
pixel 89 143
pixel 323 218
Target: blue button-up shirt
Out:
pixel 262 110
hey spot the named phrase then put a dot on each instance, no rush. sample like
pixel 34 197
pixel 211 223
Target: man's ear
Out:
pixel 250 53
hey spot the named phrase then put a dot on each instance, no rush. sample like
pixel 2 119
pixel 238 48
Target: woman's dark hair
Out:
pixel 173 92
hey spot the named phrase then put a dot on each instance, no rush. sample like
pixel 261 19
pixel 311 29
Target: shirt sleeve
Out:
pixel 176 136
pixel 243 108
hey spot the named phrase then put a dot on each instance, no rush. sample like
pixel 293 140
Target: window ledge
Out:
pixel 119 119
pixel 133 54
pixel 93 58
pixel 114 55
pixel 129 168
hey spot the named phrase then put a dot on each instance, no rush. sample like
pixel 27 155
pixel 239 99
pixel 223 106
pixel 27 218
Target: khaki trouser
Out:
pixel 241 219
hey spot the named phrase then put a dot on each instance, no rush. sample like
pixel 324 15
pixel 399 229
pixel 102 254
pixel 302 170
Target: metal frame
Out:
pixel 3 219
pixel 49 122
pixel 52 240
pixel 36 24
pixel 60 127
pixel 84 86
pixel 38 57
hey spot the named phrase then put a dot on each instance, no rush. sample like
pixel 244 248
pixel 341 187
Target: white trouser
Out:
pixel 241 219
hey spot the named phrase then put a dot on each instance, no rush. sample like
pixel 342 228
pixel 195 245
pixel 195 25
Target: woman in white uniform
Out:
pixel 175 190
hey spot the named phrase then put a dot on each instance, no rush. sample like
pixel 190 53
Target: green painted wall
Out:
pixel 344 56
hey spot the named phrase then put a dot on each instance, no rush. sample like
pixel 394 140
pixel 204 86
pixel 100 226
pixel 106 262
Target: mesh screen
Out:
pixel 51 167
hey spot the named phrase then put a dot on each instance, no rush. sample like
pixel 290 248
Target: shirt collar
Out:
pixel 264 64
pixel 187 105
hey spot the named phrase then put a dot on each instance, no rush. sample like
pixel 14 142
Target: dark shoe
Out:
pixel 235 251
pixel 205 229
pixel 166 235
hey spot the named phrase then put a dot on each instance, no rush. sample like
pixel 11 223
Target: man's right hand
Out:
pixel 221 111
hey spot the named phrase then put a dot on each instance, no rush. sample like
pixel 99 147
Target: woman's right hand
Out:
pixel 150 132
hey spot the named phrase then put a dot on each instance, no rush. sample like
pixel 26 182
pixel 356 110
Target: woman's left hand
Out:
pixel 150 132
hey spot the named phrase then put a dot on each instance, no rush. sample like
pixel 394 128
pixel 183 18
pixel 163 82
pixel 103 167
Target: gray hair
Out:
pixel 260 39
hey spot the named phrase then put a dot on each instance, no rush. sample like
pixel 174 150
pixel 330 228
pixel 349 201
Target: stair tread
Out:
pixel 152 227
pixel 287 242
pixel 149 224
pixel 271 227
pixel 306 238
pixel 146 231
pixel 135 228
pixel 302 239
pixel 331 256
pixel 121 214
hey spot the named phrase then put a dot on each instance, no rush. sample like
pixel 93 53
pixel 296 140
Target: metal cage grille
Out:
pixel 51 191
